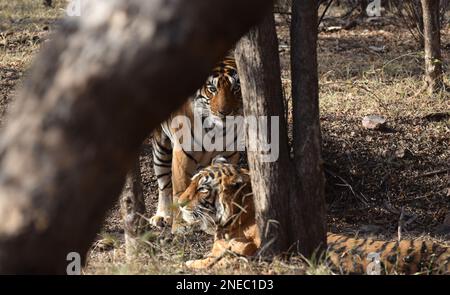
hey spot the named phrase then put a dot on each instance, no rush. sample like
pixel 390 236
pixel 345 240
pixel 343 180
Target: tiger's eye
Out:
pixel 235 185
pixel 203 190
pixel 212 89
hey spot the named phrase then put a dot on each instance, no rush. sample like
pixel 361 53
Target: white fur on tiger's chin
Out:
pixel 189 218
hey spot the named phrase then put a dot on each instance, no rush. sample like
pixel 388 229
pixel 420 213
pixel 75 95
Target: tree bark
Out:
pixel 132 207
pixel 283 6
pixel 307 135
pixel 259 70
pixel 277 185
pixel 432 39
pixel 363 6
pixel 96 91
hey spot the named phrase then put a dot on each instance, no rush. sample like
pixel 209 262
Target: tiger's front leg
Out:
pixel 162 163
pixel 184 166
pixel 221 247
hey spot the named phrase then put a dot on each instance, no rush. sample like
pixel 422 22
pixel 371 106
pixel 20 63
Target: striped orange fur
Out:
pixel 220 199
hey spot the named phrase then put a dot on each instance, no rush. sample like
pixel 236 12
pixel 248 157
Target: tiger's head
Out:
pixel 218 196
pixel 221 95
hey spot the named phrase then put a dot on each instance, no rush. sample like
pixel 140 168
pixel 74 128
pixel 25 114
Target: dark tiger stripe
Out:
pixel 340 250
pixel 227 171
pixel 163 165
pixel 162 148
pixel 163 175
pixel 358 248
pixel 230 155
pixel 384 246
pixel 424 248
pixel 166 186
pixel 342 239
pixel 434 248
pixel 407 268
pixel 446 266
pixel 411 244
pixel 395 247
pixel 410 258
pixel 163 161
pixel 357 266
pixel 190 156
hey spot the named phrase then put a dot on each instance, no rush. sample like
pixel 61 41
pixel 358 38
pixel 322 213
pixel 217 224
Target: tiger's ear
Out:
pixel 219 160
pixel 238 179
pixel 241 179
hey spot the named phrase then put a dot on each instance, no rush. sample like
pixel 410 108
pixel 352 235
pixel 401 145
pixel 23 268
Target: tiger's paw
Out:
pixel 161 221
pixel 179 229
pixel 210 262
pixel 199 263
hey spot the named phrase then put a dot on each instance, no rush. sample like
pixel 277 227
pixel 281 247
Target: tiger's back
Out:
pixel 417 256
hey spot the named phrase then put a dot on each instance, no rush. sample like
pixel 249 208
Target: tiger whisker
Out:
pixel 206 217
pixel 206 209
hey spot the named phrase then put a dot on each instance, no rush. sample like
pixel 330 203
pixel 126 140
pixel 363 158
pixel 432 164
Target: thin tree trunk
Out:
pixel 93 95
pixel 291 196
pixel 132 207
pixel 307 135
pixel 283 6
pixel 259 70
pixel 432 39
pixel 363 6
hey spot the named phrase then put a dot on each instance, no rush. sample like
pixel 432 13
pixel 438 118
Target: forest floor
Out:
pixel 375 68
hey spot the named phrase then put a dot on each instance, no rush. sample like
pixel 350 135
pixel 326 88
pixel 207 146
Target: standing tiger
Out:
pixel 177 158
pixel 220 200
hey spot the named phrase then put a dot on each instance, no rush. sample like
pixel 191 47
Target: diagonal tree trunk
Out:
pixel 92 96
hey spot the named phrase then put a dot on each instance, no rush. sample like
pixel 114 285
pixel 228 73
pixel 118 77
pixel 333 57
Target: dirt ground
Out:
pixel 372 176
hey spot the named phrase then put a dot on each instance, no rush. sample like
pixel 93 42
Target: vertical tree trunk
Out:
pixel 283 6
pixel 417 13
pixel 363 6
pixel 307 134
pixel 132 207
pixel 432 39
pixel 259 70
pixel 291 196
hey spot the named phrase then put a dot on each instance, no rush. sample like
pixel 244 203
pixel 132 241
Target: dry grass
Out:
pixel 386 169
pixel 24 26
pixel 371 175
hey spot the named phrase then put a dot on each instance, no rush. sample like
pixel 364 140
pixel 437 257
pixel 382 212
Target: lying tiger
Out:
pixel 219 200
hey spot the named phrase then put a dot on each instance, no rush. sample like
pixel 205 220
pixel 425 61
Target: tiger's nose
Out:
pixel 224 113
pixel 182 203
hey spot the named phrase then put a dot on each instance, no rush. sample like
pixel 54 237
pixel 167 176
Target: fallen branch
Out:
pixel 433 173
